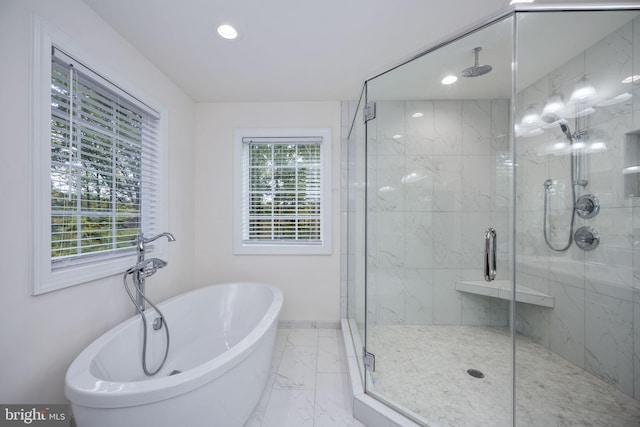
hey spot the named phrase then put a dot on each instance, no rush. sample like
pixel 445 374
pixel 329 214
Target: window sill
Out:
pixel 281 249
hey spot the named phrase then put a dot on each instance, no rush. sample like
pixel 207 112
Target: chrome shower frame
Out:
pixel 368 401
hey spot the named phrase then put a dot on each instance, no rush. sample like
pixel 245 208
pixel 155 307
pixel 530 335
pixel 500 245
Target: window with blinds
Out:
pixel 285 191
pixel 103 168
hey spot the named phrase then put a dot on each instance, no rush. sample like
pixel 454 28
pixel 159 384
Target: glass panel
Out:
pixel 576 125
pixel 355 204
pixel 439 174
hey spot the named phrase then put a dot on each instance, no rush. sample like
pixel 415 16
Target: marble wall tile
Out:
pixel 567 268
pixel 447 123
pixel 609 340
pixel 390 240
pixel 418 296
pixel 447 183
pixel 478 310
pixel 446 154
pixel 390 296
pixel 567 326
pixel 476 128
pixel 419 181
pixel 530 242
pixel 501 181
pixel 476 183
pixel 392 125
pixel 613 278
pixel 447 306
pixel 419 132
pixel 500 113
pixel 447 239
pixel 419 238
pixel 605 168
pixel 636 350
pixel 609 61
pixel 533 322
pixel 635 86
pixel 389 189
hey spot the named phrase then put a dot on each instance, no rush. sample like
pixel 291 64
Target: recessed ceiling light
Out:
pixel 417 115
pixel 450 79
pixel 631 79
pixel 226 31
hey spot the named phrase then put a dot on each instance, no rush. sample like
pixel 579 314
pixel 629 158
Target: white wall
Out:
pixel 310 283
pixel 40 335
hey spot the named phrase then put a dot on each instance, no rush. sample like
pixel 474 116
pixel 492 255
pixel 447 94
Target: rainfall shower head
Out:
pixel 477 69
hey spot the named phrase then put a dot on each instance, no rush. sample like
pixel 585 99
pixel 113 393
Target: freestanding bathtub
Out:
pixel 222 339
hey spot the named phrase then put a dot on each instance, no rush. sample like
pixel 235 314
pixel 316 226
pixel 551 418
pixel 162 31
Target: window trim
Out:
pixel 44 277
pixel 240 246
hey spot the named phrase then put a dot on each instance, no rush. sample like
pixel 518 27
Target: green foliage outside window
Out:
pixel 96 142
pixel 284 192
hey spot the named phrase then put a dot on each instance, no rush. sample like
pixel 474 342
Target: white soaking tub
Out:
pixel 221 345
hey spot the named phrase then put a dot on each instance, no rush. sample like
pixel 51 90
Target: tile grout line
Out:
pixel 275 375
pixel 315 385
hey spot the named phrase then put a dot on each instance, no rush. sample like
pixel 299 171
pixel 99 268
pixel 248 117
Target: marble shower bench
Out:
pixel 502 289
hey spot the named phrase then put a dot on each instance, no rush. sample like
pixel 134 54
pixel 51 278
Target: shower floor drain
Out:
pixel 475 373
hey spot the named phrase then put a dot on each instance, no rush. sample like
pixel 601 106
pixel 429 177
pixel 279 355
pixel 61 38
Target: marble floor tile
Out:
pixel 297 369
pixel 331 355
pixel 424 369
pixel 331 406
pixel 290 408
pixel 308 385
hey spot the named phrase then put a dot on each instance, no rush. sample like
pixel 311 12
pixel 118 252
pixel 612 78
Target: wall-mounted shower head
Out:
pixel 565 129
pixel 477 69
pixel 551 118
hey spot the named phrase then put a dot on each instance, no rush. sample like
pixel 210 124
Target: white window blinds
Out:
pixel 104 165
pixel 282 200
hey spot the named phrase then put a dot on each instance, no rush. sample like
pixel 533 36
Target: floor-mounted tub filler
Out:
pixel 222 339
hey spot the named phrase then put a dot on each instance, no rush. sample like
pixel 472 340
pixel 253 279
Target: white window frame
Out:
pixel 45 278
pixel 244 247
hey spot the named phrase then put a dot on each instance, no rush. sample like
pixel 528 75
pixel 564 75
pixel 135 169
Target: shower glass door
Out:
pixel 577 203
pixel 438 176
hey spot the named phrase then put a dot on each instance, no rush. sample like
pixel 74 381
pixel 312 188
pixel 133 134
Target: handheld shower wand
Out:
pixel 576 180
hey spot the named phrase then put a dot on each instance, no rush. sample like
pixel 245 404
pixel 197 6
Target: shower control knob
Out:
pixel 587 206
pixel 587 238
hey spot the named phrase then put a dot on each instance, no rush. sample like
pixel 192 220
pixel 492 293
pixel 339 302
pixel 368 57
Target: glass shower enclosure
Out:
pixel 493 211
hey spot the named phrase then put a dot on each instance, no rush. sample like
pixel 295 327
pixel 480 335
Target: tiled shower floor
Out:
pixel 309 384
pixel 424 368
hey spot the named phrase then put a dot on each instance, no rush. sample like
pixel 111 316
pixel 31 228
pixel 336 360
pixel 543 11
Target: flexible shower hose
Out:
pixel 144 327
pixel 573 213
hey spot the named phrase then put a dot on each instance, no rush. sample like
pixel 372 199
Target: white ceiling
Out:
pixel 545 43
pixel 287 50
pixel 323 50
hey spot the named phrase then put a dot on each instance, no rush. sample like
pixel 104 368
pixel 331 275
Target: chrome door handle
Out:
pixel 489 254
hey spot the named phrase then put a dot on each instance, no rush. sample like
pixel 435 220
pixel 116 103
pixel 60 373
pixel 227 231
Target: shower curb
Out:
pixel 366 409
